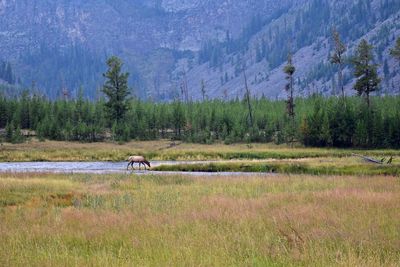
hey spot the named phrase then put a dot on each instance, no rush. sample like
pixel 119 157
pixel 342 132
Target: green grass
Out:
pixel 124 220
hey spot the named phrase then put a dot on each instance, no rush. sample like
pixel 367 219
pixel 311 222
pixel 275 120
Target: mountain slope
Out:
pixel 307 30
pixel 166 43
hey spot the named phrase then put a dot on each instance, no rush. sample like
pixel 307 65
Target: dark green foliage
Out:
pixel 335 122
pixel 116 90
pixel 341 123
pixel 315 128
pixel 13 133
pixel 365 71
pixel 289 70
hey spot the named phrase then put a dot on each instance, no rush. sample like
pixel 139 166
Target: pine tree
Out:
pixel 365 71
pixel 289 70
pixel 9 132
pixel 116 89
pixel 178 118
pixel 337 57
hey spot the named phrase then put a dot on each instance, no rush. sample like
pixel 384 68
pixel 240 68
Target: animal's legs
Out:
pixel 131 164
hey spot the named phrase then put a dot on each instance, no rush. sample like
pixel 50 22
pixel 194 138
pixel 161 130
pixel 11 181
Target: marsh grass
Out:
pixel 162 150
pixel 124 220
pixel 309 166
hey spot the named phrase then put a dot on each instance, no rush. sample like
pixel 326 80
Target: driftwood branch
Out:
pixel 376 161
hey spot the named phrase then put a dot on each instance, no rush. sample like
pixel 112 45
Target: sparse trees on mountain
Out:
pixel 337 57
pixel 395 51
pixel 365 71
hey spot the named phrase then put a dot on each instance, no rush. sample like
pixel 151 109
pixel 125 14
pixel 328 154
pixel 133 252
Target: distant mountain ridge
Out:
pixel 62 45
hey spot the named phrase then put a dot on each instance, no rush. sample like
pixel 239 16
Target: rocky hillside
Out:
pixel 306 28
pixel 62 45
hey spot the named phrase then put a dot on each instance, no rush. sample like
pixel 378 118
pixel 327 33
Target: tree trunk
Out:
pixel 341 80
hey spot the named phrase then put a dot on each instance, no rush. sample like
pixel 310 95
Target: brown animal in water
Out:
pixel 138 159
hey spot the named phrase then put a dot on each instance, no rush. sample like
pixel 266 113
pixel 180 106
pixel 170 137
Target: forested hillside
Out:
pixel 60 47
pixel 307 31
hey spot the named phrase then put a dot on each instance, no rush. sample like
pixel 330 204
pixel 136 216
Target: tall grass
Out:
pixel 108 220
pixel 167 150
pixel 286 167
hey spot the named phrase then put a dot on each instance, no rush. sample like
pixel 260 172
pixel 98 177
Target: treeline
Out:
pixel 322 122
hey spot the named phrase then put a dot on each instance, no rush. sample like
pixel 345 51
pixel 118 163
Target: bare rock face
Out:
pixel 176 6
pixel 64 43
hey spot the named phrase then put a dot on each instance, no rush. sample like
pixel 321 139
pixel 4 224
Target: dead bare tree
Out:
pixel 203 89
pixel 337 57
pixel 185 86
pixel 373 160
pixel 248 96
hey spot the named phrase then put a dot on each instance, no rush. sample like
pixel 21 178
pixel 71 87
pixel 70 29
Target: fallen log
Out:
pixel 369 159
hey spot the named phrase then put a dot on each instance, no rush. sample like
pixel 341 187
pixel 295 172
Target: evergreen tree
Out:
pixel 337 57
pixel 365 70
pixel 178 118
pixel 341 124
pixel 315 128
pixel 289 70
pixel 116 89
pixel 9 132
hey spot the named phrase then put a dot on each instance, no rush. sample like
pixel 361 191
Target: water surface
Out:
pixel 104 168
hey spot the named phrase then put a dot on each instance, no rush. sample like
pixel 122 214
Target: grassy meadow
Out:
pixel 318 207
pixel 167 150
pixel 125 220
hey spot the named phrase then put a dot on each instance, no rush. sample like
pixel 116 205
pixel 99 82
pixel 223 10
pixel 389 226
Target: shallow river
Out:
pixel 103 168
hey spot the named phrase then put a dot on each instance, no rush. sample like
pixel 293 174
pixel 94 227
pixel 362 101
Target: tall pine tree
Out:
pixel 289 70
pixel 365 70
pixel 116 89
